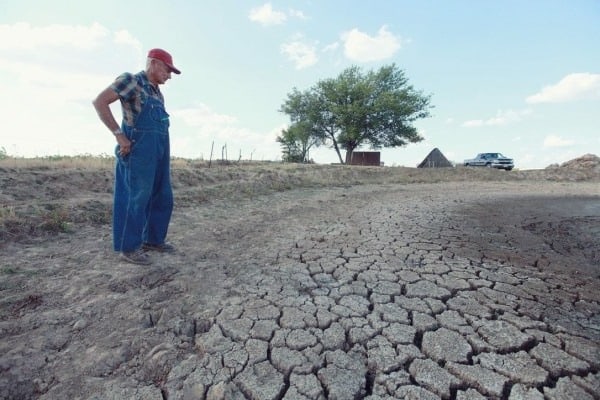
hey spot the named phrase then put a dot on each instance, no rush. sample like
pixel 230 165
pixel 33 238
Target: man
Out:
pixel 143 198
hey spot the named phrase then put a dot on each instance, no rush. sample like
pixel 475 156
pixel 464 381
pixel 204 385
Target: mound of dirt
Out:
pixel 587 161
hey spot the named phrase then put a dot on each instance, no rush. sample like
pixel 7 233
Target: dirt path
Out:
pixel 448 290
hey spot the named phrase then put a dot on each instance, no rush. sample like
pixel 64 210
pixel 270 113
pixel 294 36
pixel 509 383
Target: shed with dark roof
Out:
pixel 435 159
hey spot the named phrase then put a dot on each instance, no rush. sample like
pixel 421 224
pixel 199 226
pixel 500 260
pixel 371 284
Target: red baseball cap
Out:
pixel 165 57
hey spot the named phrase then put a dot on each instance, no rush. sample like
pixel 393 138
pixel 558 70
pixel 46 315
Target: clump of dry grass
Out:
pixel 78 162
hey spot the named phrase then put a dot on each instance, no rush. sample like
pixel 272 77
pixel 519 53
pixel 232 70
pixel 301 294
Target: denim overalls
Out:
pixel 143 198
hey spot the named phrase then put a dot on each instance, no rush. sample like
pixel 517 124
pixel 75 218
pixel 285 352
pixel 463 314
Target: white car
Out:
pixel 491 160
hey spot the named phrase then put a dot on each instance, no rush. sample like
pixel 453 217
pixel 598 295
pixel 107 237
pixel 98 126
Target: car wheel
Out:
pixel 489 165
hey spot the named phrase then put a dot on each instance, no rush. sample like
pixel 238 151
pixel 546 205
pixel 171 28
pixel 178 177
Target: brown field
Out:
pixel 75 322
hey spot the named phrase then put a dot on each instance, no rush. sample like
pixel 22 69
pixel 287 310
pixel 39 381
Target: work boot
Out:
pixel 161 248
pixel 136 257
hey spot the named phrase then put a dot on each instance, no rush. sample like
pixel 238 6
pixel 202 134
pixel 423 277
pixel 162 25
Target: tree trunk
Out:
pixel 349 154
pixel 337 150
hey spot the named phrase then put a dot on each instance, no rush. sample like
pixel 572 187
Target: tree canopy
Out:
pixel 302 134
pixel 376 108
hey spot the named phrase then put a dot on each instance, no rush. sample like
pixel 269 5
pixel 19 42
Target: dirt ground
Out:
pixel 77 323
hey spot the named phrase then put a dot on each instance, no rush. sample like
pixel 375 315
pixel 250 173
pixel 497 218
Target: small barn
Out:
pixel 364 158
pixel 435 159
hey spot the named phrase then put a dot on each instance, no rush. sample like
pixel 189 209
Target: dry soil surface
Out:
pixel 447 290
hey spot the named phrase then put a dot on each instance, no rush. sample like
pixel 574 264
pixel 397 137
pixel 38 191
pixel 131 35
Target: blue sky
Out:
pixel 513 76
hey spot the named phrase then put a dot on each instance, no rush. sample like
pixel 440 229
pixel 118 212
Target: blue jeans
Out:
pixel 143 198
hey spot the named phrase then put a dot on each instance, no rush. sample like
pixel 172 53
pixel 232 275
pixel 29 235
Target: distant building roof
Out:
pixel 435 159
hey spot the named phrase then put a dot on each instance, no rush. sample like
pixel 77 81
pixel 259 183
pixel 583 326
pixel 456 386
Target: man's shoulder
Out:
pixel 127 84
pixel 127 77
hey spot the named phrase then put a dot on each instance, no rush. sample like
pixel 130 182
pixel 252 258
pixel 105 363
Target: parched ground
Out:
pixel 459 284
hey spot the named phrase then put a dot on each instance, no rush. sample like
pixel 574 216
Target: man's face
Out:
pixel 161 71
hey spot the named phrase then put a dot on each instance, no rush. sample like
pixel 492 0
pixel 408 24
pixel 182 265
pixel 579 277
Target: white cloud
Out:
pixel 126 38
pixel 302 54
pixel 54 74
pixel 63 48
pixel 359 46
pixel 204 118
pixel 266 16
pixel 557 141
pixel 204 126
pixel 31 37
pixel 502 117
pixel 54 67
pixel 570 88
pixel 331 47
pixel 53 78
pixel 297 14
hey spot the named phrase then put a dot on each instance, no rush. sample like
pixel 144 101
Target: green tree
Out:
pixel 302 134
pixel 294 141
pixel 376 109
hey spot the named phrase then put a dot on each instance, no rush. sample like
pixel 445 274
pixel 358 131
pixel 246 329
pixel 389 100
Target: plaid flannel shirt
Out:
pixel 130 88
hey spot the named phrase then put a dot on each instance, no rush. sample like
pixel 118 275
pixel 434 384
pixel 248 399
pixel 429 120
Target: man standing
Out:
pixel 143 198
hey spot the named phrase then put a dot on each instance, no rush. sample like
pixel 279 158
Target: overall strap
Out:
pixel 144 90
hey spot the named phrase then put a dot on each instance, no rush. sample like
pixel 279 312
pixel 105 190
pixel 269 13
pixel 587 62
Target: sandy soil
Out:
pixel 76 322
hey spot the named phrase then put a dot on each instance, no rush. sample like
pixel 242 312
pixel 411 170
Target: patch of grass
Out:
pixel 8 270
pixel 84 161
pixel 14 270
pixel 7 212
pixel 34 220
pixel 55 221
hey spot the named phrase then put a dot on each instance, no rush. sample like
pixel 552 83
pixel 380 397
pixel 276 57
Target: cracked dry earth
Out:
pixel 457 290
